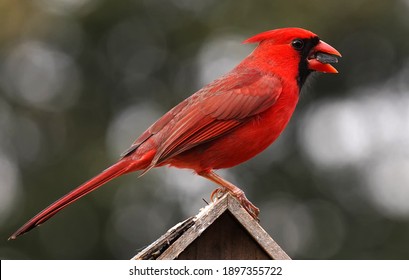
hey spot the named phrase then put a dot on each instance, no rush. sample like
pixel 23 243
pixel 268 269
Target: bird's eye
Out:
pixel 297 44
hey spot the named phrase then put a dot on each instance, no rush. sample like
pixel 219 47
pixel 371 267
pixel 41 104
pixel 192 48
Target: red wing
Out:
pixel 216 109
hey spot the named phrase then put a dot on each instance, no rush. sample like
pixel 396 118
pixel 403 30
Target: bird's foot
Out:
pixel 250 207
pixel 217 193
pixel 241 197
pixel 232 189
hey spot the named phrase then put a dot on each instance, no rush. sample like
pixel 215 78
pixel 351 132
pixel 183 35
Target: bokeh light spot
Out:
pixel 42 77
pixel 388 186
pixel 220 55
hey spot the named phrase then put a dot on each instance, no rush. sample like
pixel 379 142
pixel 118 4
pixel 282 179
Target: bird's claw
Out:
pixel 250 207
pixel 217 193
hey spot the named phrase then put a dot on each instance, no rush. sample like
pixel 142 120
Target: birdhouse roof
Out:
pixel 225 222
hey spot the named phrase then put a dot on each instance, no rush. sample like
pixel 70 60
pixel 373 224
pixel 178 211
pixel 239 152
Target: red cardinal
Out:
pixel 227 122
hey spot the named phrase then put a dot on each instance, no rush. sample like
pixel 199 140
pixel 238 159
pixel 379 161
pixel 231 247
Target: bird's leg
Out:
pixel 234 191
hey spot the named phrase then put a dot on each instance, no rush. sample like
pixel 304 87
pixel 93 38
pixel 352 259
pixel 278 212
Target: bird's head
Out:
pixel 288 46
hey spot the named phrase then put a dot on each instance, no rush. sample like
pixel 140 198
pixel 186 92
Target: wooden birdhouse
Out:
pixel 222 230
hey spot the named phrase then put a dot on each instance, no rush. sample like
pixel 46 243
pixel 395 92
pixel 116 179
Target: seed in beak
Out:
pixel 326 58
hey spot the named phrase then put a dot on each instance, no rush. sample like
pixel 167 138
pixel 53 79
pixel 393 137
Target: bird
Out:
pixel 227 122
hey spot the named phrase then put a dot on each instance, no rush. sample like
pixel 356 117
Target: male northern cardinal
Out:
pixel 227 122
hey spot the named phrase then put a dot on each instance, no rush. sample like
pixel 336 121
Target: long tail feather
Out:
pixel 108 174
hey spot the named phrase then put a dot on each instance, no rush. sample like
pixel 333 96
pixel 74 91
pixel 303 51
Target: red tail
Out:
pixel 119 168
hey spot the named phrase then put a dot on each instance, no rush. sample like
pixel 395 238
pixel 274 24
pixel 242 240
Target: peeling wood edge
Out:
pixel 204 219
pixel 160 245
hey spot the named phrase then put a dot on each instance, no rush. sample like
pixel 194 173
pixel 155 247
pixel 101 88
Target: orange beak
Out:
pixel 321 56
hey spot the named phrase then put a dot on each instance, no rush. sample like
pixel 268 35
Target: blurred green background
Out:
pixel 81 79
